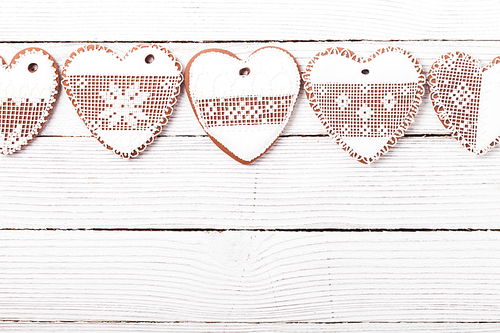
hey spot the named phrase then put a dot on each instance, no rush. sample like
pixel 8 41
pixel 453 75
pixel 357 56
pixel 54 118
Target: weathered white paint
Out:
pixel 195 20
pixel 250 277
pixel 301 182
pixel 249 281
pixel 120 327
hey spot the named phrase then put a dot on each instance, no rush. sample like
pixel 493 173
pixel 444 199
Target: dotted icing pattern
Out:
pixel 339 97
pixel 23 116
pixel 123 102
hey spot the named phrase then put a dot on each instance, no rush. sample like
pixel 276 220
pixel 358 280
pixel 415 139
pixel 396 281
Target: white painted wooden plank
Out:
pixel 302 182
pixel 250 277
pixel 65 122
pixel 129 20
pixel 15 327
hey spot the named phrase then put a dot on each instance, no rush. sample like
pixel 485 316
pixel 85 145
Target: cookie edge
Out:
pixel 400 131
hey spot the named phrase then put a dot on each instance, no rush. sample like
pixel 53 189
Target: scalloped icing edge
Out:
pixel 353 56
pixel 170 106
pixel 54 92
pixel 439 107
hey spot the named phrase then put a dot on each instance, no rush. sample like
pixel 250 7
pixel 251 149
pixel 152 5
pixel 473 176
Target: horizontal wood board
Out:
pixel 248 20
pixel 114 327
pixel 250 277
pixel 345 276
pixel 302 182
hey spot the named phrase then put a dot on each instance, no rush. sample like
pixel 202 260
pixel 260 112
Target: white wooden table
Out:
pixel 185 239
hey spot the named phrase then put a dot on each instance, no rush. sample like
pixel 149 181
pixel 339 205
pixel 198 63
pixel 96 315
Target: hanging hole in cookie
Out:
pixel 149 59
pixel 365 72
pixel 32 67
pixel 244 71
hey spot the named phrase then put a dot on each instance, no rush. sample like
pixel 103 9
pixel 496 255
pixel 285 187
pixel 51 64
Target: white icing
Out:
pixel 246 142
pixel 125 142
pixel 20 84
pixel 390 67
pixel 488 122
pixel 100 62
pixel 123 106
pixel 273 72
pixel 366 147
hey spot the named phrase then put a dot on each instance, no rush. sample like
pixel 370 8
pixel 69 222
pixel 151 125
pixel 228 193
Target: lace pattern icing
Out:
pixel 123 102
pixel 233 109
pixel 365 110
pixel 250 110
pixel 118 105
pixel 455 85
pixel 26 99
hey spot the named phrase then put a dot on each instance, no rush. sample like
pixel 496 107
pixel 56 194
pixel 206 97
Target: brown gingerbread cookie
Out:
pixel 124 102
pixel 243 105
pixel 466 98
pixel 365 105
pixel 28 92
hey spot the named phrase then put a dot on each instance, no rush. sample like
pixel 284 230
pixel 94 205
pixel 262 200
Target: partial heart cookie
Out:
pixel 466 98
pixel 28 92
pixel 365 105
pixel 124 102
pixel 243 105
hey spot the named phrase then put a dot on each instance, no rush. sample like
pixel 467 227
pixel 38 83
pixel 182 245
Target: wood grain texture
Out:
pixel 108 327
pixel 199 20
pixel 250 277
pixel 302 182
pixel 65 122
pixel 249 281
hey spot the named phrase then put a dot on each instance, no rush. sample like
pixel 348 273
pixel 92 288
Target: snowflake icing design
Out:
pixel 365 112
pixel 125 105
pixel 365 87
pixel 342 101
pixel 389 101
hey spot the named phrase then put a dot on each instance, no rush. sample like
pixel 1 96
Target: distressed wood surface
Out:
pixel 355 279
pixel 113 327
pixel 302 182
pixel 250 277
pixel 97 20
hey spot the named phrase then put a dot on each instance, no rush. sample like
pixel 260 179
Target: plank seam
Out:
pixel 239 322
pixel 422 135
pixel 395 230
pixel 254 41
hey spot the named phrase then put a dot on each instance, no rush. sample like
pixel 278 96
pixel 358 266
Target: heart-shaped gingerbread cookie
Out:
pixel 243 105
pixel 28 92
pixel 466 98
pixel 365 105
pixel 124 102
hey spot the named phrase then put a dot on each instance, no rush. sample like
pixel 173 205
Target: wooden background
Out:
pixel 306 239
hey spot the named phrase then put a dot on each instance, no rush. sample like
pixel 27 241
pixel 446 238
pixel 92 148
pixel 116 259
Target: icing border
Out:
pixel 54 92
pixel 439 107
pixel 191 101
pixel 399 133
pixel 170 106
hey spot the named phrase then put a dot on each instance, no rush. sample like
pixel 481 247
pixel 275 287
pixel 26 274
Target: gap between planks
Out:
pixel 258 229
